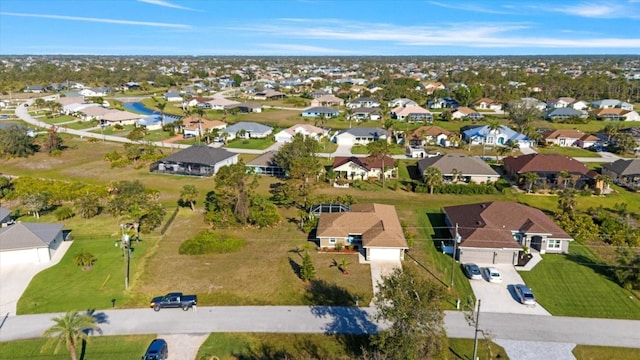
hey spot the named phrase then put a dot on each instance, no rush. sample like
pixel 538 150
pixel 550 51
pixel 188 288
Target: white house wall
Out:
pixel 230 161
pixel 25 256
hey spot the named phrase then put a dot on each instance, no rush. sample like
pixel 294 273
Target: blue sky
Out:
pixel 319 27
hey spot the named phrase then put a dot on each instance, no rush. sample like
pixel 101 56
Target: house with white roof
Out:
pixel 307 130
pixel 359 136
pixel 247 130
pixel 478 135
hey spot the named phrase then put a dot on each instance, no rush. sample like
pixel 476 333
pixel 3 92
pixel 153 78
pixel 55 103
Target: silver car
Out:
pixel 525 295
pixel 472 271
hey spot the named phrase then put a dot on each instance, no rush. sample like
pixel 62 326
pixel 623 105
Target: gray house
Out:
pixel 456 168
pixel 625 172
pixel 247 130
pixel 495 232
pixel 197 160
pixel 29 243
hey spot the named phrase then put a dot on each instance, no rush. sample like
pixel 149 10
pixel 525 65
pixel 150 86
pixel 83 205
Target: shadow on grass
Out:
pixel 425 268
pixel 600 268
pixel 297 269
pixel 414 172
pixel 264 351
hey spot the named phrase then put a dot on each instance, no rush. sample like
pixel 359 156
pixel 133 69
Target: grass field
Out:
pixel 585 352
pixel 256 144
pixel 574 285
pixel 98 348
pixel 568 151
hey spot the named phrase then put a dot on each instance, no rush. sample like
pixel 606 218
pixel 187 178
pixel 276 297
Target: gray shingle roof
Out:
pixel 28 235
pixel 620 167
pixel 200 154
pixel 466 164
pixel 250 127
pixel 366 131
pixel 4 213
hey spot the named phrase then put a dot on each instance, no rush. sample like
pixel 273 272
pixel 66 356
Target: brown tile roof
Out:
pixel 490 225
pixel 368 162
pixel 562 133
pixel 544 163
pixel 378 224
pixel 192 124
pixel 423 131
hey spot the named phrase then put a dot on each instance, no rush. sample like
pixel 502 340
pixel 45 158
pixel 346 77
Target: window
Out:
pixel 553 244
pixel 332 240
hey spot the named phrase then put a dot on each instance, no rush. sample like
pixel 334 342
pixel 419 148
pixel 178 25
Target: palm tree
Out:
pixel 564 176
pixel 531 179
pixel 161 106
pixel 69 330
pixel 432 177
pixel 501 152
pixel 567 201
pixel 455 175
pixel 379 150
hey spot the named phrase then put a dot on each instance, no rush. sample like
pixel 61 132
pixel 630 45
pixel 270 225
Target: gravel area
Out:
pixel 183 346
pixel 537 350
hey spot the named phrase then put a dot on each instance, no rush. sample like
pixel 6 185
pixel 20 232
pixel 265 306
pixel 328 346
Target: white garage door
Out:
pixel 26 256
pixel 487 257
pixel 384 254
pixel 348 141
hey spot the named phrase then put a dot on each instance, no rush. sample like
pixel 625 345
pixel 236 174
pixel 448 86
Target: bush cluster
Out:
pixel 207 242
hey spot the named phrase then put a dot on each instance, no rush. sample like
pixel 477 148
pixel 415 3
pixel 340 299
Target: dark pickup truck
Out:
pixel 174 300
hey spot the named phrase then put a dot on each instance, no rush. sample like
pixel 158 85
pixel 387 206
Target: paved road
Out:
pixel 305 319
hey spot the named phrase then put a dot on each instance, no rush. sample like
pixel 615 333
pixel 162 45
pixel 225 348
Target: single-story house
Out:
pixel 625 172
pixel 265 165
pixel 487 104
pixel 401 102
pixel 172 96
pixel 616 114
pixel 412 113
pixel 549 168
pixel 121 117
pixel 246 107
pixel 327 100
pixel 365 113
pixel 320 111
pixel 196 126
pixel 268 95
pixel 363 102
pixel 568 138
pixel 559 114
pixel 432 135
pixel 611 103
pixel 372 227
pixel 197 160
pixel 359 136
pixel 218 104
pixel 460 168
pixel 495 232
pixel 482 134
pixel 442 103
pixel 363 168
pixel 307 130
pixel 464 112
pixel 250 129
pixel 29 243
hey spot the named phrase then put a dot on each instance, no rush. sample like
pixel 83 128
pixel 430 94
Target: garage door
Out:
pixel 26 256
pixel 384 254
pixel 487 257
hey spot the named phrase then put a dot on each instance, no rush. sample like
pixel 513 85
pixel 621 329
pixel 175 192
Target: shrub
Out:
pixel 84 259
pixel 339 246
pixel 63 213
pixel 207 242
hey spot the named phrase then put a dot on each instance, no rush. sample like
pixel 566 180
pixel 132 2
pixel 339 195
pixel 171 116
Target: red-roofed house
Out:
pixel 495 232
pixel 363 168
pixel 549 167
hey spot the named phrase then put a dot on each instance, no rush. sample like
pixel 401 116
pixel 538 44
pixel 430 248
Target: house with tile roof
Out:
pixel 327 100
pixel 195 126
pixel 365 113
pixel 464 112
pixel 29 243
pixel 197 160
pixel 487 104
pixel 624 172
pixel 412 113
pixel 457 168
pixel 375 228
pixel 495 232
pixel 549 168
pixel 363 168
pixel 615 114
pixel 432 135
pixel 568 138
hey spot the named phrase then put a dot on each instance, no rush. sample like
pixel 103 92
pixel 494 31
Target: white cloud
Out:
pixel 304 49
pixel 602 10
pixel 468 7
pixel 99 20
pixel 166 4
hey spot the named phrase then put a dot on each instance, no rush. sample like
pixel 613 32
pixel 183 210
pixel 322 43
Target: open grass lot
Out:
pixel 58 119
pixel 98 348
pixel 256 144
pixel 574 285
pixel 585 352
pixel 264 272
pixel 568 151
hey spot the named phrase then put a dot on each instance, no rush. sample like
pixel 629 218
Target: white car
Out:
pixel 493 275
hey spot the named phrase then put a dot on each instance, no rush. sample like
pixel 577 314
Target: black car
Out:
pixel 157 350
pixel 472 271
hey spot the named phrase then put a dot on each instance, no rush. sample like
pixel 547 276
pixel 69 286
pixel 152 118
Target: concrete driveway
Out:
pixel 500 297
pixel 14 279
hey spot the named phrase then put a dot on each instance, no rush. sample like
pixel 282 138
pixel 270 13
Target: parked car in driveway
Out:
pixel 157 350
pixel 472 271
pixel 493 275
pixel 525 295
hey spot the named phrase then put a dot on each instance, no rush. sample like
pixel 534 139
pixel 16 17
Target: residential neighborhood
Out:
pixel 281 182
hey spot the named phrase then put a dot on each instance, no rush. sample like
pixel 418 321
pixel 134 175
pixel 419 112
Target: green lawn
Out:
pixel 395 149
pixel 98 348
pixel 255 144
pixel 576 285
pixel 586 352
pixel 568 151
pixel 60 119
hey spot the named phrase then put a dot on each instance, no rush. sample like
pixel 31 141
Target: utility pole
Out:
pixel 475 340
pixel 126 254
pixel 456 240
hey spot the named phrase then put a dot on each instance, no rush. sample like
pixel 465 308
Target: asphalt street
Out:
pixel 322 319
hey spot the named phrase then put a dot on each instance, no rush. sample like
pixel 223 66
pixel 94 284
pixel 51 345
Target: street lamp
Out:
pixel 456 241
pixel 126 254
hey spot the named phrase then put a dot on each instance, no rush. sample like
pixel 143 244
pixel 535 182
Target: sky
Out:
pixel 319 27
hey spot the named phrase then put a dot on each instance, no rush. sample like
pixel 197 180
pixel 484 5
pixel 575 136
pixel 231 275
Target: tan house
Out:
pixel 431 135
pixel 198 126
pixel 372 227
pixel 363 168
pixel 327 100
pixel 568 137
pixel 487 104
